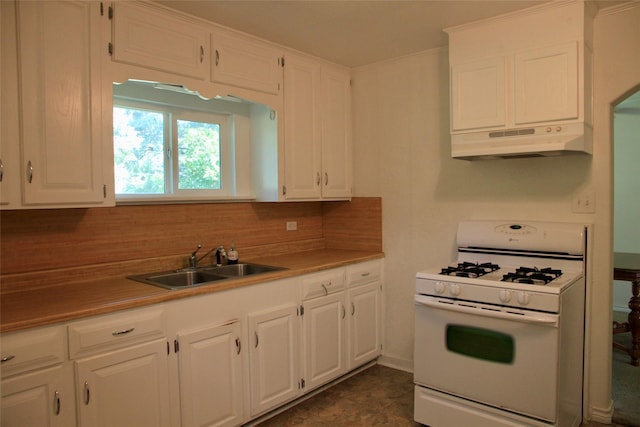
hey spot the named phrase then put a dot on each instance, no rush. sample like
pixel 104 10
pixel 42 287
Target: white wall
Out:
pixel 626 195
pixel 401 147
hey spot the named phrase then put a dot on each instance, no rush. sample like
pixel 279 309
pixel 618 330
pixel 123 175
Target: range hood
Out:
pixel 538 141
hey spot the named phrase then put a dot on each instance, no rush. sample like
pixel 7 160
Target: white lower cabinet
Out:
pixel 220 359
pixel 210 366
pixel 37 379
pixel 40 398
pixel 121 369
pixel 274 356
pixel 364 296
pixel 127 387
pixel 324 339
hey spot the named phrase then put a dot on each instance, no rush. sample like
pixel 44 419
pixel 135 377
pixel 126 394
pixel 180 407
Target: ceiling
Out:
pixel 351 32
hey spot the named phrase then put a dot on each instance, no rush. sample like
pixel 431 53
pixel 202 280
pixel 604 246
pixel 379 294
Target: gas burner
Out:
pixel 532 276
pixel 469 269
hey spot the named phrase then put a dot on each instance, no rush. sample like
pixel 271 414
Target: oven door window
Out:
pixel 480 343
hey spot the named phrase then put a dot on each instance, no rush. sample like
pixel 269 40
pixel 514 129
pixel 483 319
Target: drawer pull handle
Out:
pixel 257 340
pixel 326 291
pixel 201 54
pixel 238 344
pixel 353 309
pixel 56 403
pixel 365 274
pixel 124 332
pixel 7 358
pixel 87 393
pixel 29 172
pixel 344 311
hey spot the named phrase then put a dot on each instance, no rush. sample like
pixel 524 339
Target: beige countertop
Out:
pixel 78 299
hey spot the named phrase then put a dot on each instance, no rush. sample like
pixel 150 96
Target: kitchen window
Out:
pixel 172 145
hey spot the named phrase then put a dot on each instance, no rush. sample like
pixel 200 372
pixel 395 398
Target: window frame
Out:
pixel 170 146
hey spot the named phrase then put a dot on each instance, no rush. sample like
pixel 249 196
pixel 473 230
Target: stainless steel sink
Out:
pixel 179 279
pixel 202 275
pixel 237 270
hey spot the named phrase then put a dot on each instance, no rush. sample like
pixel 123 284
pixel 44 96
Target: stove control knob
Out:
pixel 504 295
pixel 523 298
pixel 439 288
pixel 454 289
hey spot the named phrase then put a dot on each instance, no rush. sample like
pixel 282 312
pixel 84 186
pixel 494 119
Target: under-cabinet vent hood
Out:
pixel 539 141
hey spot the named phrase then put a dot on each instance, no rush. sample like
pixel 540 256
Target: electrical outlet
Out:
pixel 584 202
pixel 292 225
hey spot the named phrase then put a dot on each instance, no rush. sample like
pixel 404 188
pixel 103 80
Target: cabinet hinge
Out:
pixel 110 48
pixel 176 346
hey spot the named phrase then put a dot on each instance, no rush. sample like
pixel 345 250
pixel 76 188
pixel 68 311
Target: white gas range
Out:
pixel 499 332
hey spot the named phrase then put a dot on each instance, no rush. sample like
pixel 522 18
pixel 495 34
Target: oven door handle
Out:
pixel 550 320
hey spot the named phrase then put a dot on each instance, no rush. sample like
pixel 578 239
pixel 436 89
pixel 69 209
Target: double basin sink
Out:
pixel 191 277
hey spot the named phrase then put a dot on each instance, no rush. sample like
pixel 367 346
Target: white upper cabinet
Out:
pixel 247 63
pixel 478 94
pixel 317 130
pixel 60 105
pixel 156 39
pixel 546 84
pixel 525 69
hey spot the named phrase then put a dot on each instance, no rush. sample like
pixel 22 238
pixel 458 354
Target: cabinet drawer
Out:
pixel 363 273
pixel 34 349
pixel 115 330
pixel 321 284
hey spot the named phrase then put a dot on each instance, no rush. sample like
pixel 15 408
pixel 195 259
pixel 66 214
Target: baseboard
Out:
pixel 601 415
pixel 396 363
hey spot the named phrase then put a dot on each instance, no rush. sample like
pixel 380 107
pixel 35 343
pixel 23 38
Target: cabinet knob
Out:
pixel 326 179
pixel 317 178
pixel 238 345
pixel 201 54
pixel 217 57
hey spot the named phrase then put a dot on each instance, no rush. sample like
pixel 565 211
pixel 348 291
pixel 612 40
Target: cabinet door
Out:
pixel 246 63
pixel 211 376
pixel 274 355
pixel 60 95
pixel 364 324
pixel 336 133
pixel 9 119
pixel 302 138
pixel 324 339
pixel 478 94
pixel 128 387
pixel 154 38
pixel 546 84
pixel 40 398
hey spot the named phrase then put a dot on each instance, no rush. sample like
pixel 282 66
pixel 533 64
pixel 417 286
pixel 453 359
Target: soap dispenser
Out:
pixel 232 254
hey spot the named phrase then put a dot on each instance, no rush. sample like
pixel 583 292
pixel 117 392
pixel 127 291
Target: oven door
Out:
pixel 505 359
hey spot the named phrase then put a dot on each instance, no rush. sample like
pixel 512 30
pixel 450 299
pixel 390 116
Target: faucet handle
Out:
pixel 192 259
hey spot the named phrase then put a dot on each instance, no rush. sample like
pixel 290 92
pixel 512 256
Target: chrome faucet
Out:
pixel 193 260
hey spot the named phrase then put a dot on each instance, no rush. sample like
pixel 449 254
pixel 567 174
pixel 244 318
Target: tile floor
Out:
pixel 378 396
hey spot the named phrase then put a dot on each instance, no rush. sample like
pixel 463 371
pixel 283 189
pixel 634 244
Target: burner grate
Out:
pixel 469 269
pixel 532 276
